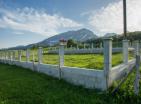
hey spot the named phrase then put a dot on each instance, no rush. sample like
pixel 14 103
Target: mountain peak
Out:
pixel 84 29
pixel 78 35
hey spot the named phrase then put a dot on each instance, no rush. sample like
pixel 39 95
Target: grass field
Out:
pixel 92 61
pixel 23 86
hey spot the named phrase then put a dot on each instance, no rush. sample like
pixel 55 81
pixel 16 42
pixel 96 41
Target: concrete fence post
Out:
pixel 19 55
pixel 137 78
pixel 125 51
pixel 27 55
pixel 107 59
pixel 61 55
pixel 137 48
pixel 92 45
pixel 8 55
pixel 100 44
pixel 5 55
pixel 13 54
pixel 0 54
pixel 40 55
pixel 84 46
pixel 71 47
pixel 77 47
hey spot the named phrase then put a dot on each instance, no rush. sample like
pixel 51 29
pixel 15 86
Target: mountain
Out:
pixel 79 35
pixel 110 34
pixel 17 47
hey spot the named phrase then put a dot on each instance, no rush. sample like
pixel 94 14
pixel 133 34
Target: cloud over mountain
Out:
pixel 36 21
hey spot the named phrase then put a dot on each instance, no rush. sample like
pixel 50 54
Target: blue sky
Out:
pixel 28 21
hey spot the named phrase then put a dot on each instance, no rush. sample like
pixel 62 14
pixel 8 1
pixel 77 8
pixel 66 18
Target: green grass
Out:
pixel 92 61
pixel 23 86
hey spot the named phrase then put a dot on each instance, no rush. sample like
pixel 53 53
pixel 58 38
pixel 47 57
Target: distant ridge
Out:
pixel 79 35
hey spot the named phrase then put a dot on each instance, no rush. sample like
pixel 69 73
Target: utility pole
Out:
pixel 124 19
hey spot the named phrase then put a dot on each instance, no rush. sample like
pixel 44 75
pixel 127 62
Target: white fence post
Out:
pixel 27 55
pixel 5 55
pixel 137 48
pixel 107 59
pixel 40 55
pixel 61 55
pixel 0 54
pixel 92 45
pixel 19 55
pixel 125 51
pixel 8 54
pixel 101 45
pixel 13 54
pixel 136 83
pixel 84 46
pixel 77 46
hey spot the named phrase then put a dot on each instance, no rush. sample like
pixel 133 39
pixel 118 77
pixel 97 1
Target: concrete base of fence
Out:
pixel 118 72
pixel 89 78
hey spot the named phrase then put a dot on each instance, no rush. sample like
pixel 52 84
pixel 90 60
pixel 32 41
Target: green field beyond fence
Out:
pixel 92 61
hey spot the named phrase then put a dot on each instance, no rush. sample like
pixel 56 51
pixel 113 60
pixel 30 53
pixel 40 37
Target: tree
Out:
pixel 71 42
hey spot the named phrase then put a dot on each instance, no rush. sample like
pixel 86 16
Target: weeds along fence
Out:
pixel 93 66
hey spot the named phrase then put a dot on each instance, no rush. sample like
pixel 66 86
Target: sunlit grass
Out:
pixel 92 61
pixel 23 86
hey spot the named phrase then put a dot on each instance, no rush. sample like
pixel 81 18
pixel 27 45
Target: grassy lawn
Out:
pixel 23 86
pixel 92 61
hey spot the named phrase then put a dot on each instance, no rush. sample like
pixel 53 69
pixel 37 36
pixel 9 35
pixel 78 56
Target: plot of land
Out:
pixel 22 86
pixel 92 61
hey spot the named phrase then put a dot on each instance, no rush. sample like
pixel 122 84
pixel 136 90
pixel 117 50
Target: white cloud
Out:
pixel 37 21
pixel 110 18
pixel 18 32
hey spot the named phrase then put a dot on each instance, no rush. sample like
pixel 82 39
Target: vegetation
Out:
pixel 117 39
pixel 71 43
pixel 23 86
pixel 92 61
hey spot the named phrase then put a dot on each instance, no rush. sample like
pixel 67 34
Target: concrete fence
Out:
pixel 89 78
pixel 87 51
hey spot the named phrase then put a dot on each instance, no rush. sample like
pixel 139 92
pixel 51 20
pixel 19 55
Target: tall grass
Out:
pixel 23 86
pixel 92 61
